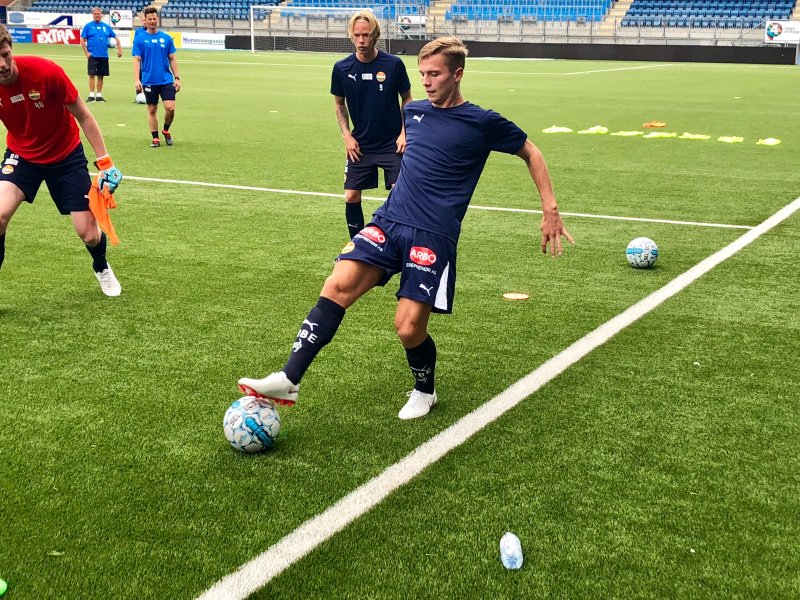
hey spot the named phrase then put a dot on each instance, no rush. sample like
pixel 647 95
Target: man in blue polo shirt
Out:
pixel 155 68
pixel 365 87
pixel 415 232
pixel 95 43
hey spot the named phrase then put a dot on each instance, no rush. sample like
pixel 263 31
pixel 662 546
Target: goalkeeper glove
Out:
pixel 110 176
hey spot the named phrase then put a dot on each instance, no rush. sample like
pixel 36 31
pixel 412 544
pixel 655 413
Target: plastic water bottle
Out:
pixel 510 551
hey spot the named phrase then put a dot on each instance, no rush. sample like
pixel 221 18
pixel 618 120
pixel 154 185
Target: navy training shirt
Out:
pixel 371 92
pixel 446 150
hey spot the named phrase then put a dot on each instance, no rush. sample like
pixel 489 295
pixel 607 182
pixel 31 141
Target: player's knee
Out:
pixel 352 196
pixel 336 289
pixel 90 238
pixel 412 332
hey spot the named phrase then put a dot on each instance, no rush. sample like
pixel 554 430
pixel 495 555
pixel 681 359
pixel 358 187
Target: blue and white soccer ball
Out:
pixel 251 424
pixel 642 253
pixel 112 42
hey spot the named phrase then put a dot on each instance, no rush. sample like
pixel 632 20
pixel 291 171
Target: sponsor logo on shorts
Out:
pixel 422 256
pixel 380 76
pixel 349 247
pixel 8 170
pixel 34 95
pixel 373 233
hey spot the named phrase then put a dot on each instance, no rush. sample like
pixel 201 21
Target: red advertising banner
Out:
pixel 56 35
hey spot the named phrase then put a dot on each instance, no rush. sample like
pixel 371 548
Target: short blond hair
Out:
pixel 369 17
pixel 452 48
pixel 5 37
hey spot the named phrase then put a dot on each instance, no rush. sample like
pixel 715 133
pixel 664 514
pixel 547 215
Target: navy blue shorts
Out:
pixel 363 175
pixel 152 92
pixel 98 66
pixel 426 261
pixel 68 181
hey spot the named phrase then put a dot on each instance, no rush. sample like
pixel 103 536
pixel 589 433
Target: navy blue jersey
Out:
pixel 371 92
pixel 446 150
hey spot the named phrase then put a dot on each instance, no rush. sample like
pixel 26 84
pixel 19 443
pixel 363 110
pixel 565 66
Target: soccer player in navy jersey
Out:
pixel 41 109
pixel 365 88
pixel 155 68
pixel 415 232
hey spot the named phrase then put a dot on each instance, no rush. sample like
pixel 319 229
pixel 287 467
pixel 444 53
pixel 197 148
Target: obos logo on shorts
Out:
pixel 374 234
pixel 381 76
pixel 8 169
pixel 422 256
pixel 349 247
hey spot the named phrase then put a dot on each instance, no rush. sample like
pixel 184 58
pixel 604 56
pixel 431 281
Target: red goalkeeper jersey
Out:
pixel 40 128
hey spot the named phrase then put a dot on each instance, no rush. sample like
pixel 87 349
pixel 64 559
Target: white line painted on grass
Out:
pixel 256 573
pixel 619 69
pixel 326 65
pixel 251 188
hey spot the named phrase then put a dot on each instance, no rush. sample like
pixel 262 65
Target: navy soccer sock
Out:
pixel 2 248
pixel 99 254
pixel 316 331
pixel 355 217
pixel 422 361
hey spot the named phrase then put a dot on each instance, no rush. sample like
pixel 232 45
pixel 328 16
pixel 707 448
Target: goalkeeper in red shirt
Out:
pixel 41 110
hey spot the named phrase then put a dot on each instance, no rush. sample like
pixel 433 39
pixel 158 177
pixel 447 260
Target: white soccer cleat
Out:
pixel 418 405
pixel 108 282
pixel 275 387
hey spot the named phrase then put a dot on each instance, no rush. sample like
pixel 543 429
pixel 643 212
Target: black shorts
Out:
pixel 152 92
pixel 363 175
pixel 68 181
pixel 98 66
pixel 426 261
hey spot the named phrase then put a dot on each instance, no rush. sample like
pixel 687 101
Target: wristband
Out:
pixel 104 162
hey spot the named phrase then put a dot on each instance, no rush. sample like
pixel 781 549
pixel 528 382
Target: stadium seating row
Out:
pixel 703 23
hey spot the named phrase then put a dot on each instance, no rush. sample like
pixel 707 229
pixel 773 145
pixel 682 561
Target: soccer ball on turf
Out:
pixel 251 424
pixel 642 253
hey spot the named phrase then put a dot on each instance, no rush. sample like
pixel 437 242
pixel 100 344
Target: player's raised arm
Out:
pixel 552 226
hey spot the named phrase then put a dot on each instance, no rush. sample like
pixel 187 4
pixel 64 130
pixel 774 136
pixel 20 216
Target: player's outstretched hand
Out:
pixel 110 176
pixel 552 229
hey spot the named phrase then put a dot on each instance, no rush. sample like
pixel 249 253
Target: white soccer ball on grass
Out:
pixel 642 253
pixel 251 424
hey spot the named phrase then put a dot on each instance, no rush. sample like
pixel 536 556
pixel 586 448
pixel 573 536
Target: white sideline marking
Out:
pixel 619 69
pixel 251 188
pixel 256 573
pixel 327 66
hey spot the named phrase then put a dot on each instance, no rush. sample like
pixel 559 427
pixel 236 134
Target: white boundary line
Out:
pixel 251 188
pixel 259 571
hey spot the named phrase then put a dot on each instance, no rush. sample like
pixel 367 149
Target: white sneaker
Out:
pixel 275 387
pixel 418 405
pixel 108 282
